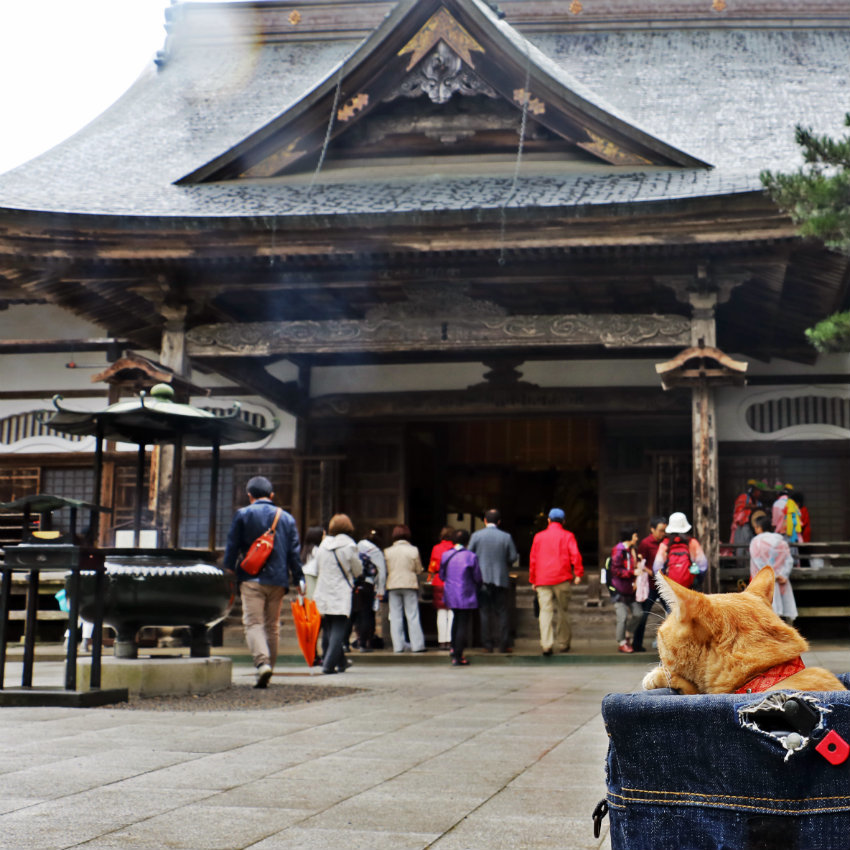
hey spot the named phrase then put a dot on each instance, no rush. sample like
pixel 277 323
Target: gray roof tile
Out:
pixel 730 97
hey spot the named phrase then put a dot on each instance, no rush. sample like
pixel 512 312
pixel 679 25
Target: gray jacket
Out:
pixel 496 552
pixel 333 589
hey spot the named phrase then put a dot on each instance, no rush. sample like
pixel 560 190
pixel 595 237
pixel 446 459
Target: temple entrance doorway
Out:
pixel 524 467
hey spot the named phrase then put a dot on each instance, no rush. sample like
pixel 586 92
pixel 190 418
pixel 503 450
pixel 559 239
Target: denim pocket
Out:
pixel 726 771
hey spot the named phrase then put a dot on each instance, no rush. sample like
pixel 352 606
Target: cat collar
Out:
pixel 772 676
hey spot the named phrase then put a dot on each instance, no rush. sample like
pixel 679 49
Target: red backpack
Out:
pixel 678 565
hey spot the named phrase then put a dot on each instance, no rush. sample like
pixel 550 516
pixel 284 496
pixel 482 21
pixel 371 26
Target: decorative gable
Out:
pixel 442 77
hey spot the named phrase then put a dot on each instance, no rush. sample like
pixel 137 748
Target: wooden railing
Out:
pixel 821 583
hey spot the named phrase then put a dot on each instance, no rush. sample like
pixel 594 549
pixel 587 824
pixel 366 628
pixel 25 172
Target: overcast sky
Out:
pixel 63 62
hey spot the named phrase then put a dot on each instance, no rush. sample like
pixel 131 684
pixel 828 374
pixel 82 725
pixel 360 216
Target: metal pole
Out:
pixel 97 562
pixel 29 636
pixel 177 488
pixel 94 532
pixel 140 480
pixel 213 522
pixel 73 619
pixel 5 591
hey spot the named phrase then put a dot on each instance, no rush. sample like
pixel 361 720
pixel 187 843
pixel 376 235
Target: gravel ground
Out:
pixel 238 698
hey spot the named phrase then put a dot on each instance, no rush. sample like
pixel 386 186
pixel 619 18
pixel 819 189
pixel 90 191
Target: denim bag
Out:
pixel 767 770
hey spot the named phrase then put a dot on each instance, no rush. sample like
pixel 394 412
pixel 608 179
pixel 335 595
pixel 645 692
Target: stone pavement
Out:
pixel 496 755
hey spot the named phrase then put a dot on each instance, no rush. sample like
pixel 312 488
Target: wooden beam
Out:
pixel 254 379
pixel 455 332
pixel 47 346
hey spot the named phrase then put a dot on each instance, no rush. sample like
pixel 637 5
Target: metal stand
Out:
pixel 31 559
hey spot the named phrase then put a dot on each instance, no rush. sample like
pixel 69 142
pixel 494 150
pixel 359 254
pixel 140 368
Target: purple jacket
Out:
pixel 460 571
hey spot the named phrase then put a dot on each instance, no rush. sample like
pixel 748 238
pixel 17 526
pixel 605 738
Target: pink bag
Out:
pixel 642 587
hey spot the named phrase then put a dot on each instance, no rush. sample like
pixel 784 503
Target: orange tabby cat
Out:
pixel 717 644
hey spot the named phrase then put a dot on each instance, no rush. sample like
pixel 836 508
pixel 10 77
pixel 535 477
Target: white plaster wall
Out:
pixel 732 402
pixel 634 372
pixel 388 378
pixel 45 321
pixel 328 380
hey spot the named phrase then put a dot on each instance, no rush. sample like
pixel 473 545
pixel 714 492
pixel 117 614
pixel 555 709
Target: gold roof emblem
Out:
pixel 441 26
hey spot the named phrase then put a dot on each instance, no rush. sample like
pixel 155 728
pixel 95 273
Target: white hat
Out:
pixel 678 524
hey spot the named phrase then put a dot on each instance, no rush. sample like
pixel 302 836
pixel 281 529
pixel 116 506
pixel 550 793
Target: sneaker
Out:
pixel 264 673
pixel 460 662
pixel 547 651
pixel 624 647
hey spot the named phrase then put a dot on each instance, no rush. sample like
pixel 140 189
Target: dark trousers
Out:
pixel 637 639
pixel 335 627
pixel 362 613
pixel 493 610
pixel 461 621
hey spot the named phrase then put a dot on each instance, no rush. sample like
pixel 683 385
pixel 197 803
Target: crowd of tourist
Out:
pixel 349 579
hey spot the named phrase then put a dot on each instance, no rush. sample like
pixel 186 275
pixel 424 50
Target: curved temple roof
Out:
pixel 729 97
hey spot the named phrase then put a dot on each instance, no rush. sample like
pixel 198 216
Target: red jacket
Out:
pixel 434 571
pixel 555 557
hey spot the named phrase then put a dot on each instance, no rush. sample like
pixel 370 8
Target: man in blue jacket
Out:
pixel 496 553
pixel 262 594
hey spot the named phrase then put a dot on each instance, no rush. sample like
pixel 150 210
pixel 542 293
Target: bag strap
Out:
pixel 344 573
pixel 451 556
pixel 277 514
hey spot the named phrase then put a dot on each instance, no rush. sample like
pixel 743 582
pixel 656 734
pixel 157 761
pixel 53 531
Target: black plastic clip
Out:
pixel 599 814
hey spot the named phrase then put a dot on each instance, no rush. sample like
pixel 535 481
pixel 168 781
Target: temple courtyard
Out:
pixel 506 753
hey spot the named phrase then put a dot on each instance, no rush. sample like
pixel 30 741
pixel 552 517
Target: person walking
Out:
pixel 262 594
pixel 461 575
pixel 369 589
pixel 624 570
pixel 309 551
pixel 745 504
pixel 403 570
pixel 444 613
pixel 338 568
pixel 496 553
pixel 555 561
pixel 680 556
pixel 648 549
pixel 770 549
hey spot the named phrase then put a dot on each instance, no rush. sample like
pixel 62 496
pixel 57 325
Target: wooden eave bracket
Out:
pixel 701 365
pixel 135 370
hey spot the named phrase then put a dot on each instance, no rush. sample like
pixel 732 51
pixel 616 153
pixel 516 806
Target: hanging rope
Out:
pixel 328 132
pixel 522 128
pixel 321 157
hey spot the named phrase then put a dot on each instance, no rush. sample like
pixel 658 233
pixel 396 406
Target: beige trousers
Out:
pixel 554 601
pixel 261 604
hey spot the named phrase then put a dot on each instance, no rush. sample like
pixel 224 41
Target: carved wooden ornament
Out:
pixel 430 334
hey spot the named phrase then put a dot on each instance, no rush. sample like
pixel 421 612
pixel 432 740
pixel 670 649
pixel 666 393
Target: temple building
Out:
pixel 465 254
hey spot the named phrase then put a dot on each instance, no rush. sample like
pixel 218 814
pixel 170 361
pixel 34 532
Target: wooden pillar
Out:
pixel 302 448
pixel 704 431
pixel 169 459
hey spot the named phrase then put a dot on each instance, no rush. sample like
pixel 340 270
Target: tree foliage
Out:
pixel 817 197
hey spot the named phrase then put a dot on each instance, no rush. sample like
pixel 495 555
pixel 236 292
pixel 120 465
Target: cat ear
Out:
pixel 682 602
pixel 762 585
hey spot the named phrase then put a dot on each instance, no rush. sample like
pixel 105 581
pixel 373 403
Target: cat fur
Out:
pixel 715 644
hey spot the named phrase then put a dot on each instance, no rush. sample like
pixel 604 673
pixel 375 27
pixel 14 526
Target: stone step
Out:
pixel 592 622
